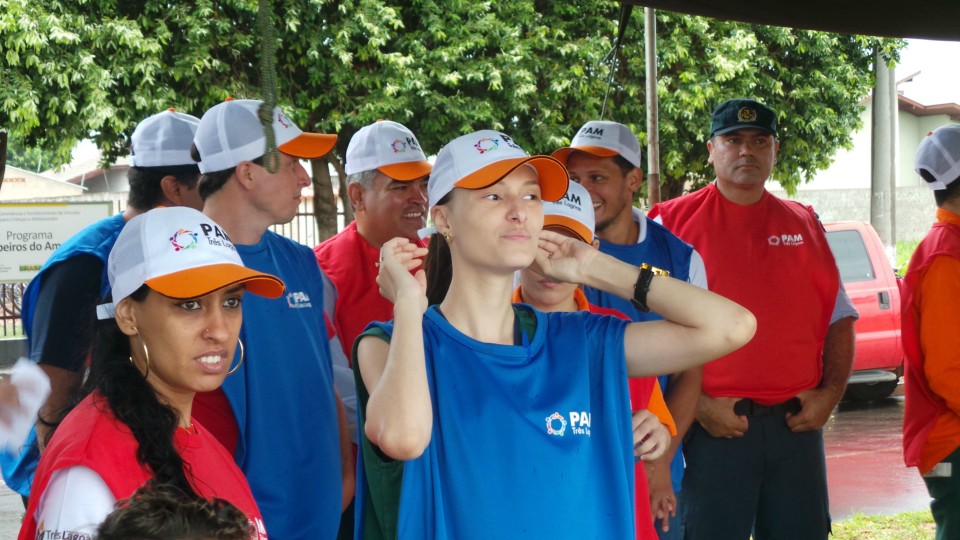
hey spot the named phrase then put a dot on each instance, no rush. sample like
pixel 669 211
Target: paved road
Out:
pixel 864 464
pixel 865 461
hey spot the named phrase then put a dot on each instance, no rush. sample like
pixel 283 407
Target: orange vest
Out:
pixel 771 257
pixel 925 412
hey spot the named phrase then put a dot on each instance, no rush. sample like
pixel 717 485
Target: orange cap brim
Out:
pixel 203 280
pixel 309 145
pixel 573 226
pixel 407 171
pixel 563 154
pixel 551 174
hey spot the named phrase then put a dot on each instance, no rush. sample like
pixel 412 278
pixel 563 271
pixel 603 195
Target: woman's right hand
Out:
pixel 398 258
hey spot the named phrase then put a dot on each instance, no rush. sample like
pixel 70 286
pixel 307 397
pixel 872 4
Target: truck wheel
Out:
pixel 871 391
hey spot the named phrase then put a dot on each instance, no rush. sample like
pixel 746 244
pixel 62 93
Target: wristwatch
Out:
pixel 642 286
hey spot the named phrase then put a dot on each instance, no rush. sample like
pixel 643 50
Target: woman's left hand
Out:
pixel 562 258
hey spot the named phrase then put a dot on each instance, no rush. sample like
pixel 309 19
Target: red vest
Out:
pixel 92 437
pixel 922 408
pixel 771 257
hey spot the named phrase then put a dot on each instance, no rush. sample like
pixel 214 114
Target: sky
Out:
pixel 939 65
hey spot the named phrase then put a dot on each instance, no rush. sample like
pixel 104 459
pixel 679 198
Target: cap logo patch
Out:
pixel 398 146
pixel 747 114
pixel 282 118
pixel 183 240
pixel 571 200
pixel 216 237
pixel 486 144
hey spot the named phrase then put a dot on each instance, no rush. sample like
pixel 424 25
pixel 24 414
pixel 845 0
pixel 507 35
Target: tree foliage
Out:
pixel 533 68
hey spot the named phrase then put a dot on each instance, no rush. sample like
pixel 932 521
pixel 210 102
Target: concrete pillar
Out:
pixel 884 152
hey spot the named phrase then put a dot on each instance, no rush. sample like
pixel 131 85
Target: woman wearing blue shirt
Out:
pixel 484 419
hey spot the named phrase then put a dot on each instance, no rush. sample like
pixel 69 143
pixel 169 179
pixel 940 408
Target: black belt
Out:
pixel 748 407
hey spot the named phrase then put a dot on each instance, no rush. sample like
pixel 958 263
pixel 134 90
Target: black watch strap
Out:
pixel 642 286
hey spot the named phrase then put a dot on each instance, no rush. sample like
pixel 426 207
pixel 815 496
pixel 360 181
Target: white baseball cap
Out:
pixel 163 140
pixel 390 148
pixel 230 133
pixel 181 253
pixel 483 158
pixel 573 212
pixel 603 138
pixel 938 157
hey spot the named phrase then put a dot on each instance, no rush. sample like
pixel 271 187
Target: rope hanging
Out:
pixel 268 83
pixel 613 56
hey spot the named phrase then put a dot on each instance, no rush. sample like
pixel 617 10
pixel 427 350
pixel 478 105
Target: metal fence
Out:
pixel 303 229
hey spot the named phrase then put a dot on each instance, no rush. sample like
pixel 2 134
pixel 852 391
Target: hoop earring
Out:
pixel 146 355
pixel 447 236
pixel 240 363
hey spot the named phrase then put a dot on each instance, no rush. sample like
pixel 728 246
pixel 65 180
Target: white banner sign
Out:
pixel 29 233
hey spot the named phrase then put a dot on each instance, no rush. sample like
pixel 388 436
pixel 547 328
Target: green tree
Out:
pixel 532 68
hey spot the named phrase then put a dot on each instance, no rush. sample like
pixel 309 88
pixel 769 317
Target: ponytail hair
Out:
pixel 439 268
pixel 438 264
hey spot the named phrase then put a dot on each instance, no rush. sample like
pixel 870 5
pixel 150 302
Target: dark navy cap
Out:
pixel 735 114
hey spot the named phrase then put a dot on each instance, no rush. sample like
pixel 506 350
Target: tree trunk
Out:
pixel 324 203
pixel 342 191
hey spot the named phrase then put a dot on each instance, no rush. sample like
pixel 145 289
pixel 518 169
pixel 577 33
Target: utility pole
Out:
pixel 884 153
pixel 653 104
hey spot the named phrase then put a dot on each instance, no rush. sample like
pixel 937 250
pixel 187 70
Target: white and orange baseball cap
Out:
pixel 483 158
pixel 180 253
pixel 573 213
pixel 938 157
pixel 163 140
pixel 603 138
pixel 231 132
pixel 390 148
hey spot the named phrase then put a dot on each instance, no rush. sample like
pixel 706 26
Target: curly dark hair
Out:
pixel 162 512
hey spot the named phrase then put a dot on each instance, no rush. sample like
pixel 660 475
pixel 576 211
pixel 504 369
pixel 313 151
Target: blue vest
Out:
pixel 530 441
pixel 660 248
pixel 97 239
pixel 282 397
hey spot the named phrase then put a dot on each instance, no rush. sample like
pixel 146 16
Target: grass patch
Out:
pixel 906 526
pixel 905 249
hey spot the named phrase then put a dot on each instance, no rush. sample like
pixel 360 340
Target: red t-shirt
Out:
pixel 771 257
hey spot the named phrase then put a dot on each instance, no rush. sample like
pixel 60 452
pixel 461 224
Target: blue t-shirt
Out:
pixel 97 239
pixel 660 248
pixel 529 441
pixel 283 399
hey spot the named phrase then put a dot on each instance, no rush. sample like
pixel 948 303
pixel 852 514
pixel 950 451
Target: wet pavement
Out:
pixel 864 466
pixel 865 469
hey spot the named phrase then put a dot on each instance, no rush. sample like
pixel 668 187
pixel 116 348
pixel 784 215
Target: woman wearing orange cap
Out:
pixel 484 419
pixel 177 284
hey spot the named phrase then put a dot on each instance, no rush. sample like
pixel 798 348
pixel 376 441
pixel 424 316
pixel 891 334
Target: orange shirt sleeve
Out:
pixel 659 408
pixel 939 302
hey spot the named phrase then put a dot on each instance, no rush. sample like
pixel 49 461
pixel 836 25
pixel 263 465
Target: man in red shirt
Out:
pixel 387 184
pixel 931 311
pixel 755 460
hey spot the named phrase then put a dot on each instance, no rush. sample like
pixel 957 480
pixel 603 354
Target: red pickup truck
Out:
pixel 874 288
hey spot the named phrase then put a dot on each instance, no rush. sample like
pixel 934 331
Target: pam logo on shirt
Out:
pixel 786 240
pixel 579 422
pixel 298 300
